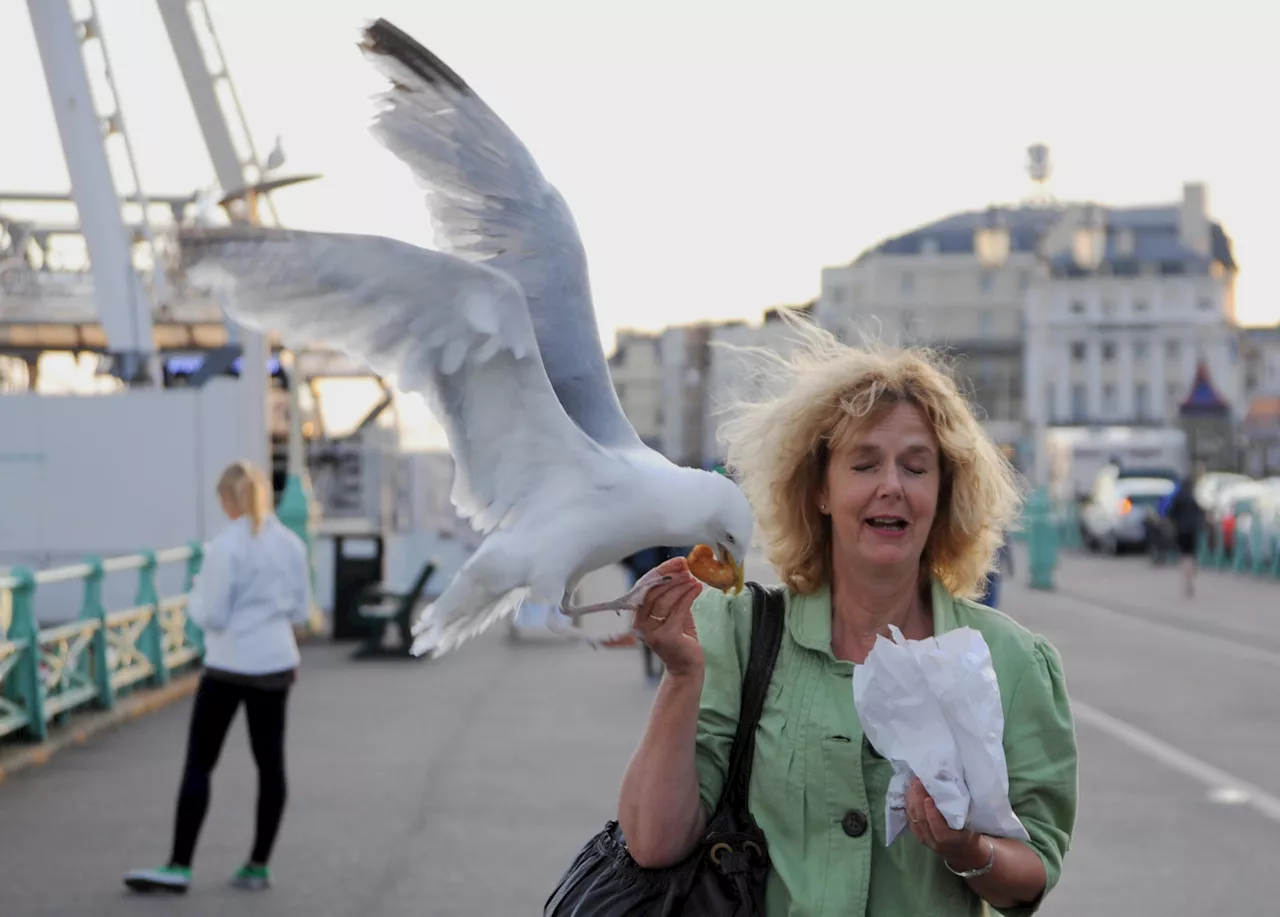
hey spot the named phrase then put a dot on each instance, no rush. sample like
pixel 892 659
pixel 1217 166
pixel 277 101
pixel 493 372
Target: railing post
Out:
pixel 1042 541
pixel 153 633
pixel 30 684
pixel 194 562
pixel 92 609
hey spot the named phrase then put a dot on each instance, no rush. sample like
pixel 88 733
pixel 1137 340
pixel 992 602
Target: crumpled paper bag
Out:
pixel 932 708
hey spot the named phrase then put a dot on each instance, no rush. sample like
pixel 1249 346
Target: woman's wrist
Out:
pixel 975 854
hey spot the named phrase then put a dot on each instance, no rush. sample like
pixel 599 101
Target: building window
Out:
pixel 1142 400
pixel 1050 402
pixel 908 282
pixel 1139 350
pixel 1110 402
pixel 1024 280
pixel 1171 396
pixel 837 295
pixel 1141 305
pixel 1077 307
pixel 907 320
pixel 986 281
pixel 1205 304
pixel 1077 351
pixel 621 389
pixel 1108 307
pixel 985 323
pixel 1173 350
pixel 1079 402
pixel 1108 351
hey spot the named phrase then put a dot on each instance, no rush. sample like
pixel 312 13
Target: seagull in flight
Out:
pixel 497 331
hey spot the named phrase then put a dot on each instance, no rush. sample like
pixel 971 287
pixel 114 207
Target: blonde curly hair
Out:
pixel 811 399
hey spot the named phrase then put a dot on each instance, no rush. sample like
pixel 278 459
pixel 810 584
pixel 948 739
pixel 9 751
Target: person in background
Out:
pixel 253 588
pixel 1186 515
pixel 1004 565
pixel 636 565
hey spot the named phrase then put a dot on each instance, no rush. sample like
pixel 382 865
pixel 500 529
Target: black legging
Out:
pixel 215 706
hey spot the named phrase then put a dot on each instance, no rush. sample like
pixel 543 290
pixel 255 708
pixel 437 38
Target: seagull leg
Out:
pixel 630 601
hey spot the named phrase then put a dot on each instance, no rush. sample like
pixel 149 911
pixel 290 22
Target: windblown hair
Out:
pixel 246 488
pixel 778 447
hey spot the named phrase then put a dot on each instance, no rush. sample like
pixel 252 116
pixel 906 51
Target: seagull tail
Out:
pixel 455 618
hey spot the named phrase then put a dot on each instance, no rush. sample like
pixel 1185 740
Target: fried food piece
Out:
pixel 703 565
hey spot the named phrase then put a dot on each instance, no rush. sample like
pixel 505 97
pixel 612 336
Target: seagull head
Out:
pixel 727 523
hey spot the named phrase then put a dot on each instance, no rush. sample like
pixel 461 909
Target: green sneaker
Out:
pixel 172 879
pixel 251 877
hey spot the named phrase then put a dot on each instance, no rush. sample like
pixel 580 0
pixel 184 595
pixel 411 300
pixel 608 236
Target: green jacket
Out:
pixel 818 787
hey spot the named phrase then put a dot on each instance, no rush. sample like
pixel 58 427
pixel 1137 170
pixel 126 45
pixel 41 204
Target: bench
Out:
pixel 379 607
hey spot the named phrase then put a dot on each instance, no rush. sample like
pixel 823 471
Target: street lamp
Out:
pixel 991 240
pixel 1089 243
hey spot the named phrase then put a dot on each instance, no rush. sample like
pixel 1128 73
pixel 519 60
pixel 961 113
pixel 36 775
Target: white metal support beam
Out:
pixel 234 168
pixel 123 303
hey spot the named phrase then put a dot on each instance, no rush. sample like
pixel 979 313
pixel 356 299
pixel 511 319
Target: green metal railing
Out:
pixel 45 673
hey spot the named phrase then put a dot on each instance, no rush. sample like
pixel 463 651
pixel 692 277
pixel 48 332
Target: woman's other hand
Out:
pixel 959 848
pixel 665 619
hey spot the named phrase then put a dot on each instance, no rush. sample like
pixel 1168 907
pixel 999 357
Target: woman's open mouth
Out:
pixel 888 525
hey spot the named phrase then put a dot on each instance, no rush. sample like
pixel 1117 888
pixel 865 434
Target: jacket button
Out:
pixel 854 823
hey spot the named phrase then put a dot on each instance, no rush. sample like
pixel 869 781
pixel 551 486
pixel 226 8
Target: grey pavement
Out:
pixel 465 785
pixel 1178 704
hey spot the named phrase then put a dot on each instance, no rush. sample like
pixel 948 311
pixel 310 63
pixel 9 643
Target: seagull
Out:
pixel 497 331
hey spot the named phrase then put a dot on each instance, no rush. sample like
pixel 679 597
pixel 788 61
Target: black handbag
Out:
pixel 725 874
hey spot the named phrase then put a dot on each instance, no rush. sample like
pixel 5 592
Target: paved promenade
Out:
pixel 464 786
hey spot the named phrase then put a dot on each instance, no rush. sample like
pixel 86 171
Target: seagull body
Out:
pixel 498 333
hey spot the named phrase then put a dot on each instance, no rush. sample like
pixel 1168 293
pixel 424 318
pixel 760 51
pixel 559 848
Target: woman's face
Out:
pixel 229 507
pixel 881 491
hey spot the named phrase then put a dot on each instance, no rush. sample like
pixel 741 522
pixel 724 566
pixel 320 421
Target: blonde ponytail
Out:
pixel 246 489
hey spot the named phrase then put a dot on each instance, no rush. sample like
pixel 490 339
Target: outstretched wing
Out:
pixel 456 332
pixel 490 204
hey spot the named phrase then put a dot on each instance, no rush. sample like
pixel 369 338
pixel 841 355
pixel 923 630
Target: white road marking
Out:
pixel 1217 780
pixel 1228 796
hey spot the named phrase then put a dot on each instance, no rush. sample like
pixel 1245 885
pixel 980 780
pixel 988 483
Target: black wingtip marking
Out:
pixel 382 37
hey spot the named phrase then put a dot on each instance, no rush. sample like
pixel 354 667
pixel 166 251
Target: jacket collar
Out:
pixel 809 616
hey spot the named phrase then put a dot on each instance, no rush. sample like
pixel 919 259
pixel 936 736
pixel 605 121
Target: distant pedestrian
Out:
pixel 637 565
pixel 1187 517
pixel 1004 565
pixel 254 587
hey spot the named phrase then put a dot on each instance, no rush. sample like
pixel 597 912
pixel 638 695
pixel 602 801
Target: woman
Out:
pixel 254 586
pixel 882 502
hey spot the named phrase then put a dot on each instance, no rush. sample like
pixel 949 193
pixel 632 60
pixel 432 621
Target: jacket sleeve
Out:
pixel 209 604
pixel 1040 751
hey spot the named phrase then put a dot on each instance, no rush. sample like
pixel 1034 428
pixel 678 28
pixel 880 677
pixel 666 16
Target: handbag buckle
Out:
pixel 721 848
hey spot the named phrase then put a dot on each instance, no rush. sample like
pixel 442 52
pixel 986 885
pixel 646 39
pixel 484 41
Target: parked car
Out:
pixel 1115 515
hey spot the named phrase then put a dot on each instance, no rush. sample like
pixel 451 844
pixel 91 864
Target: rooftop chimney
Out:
pixel 1193 218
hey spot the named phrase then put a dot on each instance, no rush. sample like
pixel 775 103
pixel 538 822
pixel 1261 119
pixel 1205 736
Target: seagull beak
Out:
pixel 739 571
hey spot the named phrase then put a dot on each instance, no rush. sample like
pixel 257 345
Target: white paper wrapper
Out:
pixel 932 708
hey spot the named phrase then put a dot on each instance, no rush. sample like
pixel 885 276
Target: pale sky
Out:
pixel 718 153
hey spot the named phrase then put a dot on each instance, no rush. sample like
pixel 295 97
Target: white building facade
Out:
pixel 1120 344
pixel 1042 340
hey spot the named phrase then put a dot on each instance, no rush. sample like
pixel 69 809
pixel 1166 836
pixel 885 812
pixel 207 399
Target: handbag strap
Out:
pixel 768 611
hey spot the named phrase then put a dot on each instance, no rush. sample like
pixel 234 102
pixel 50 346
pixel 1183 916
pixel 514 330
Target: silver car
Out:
pixel 1115 516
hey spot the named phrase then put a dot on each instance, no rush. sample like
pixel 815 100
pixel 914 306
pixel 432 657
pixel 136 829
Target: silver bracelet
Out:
pixel 981 870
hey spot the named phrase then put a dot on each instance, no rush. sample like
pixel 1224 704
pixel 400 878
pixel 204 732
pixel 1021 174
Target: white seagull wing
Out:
pixel 490 204
pixel 456 332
